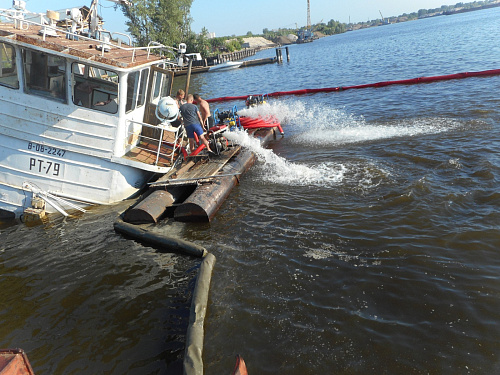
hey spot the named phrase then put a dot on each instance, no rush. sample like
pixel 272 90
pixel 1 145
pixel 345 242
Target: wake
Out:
pixel 279 170
pixel 321 127
pixel 315 124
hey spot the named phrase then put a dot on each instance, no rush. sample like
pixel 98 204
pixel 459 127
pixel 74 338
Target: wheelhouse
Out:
pixel 125 97
pixel 78 114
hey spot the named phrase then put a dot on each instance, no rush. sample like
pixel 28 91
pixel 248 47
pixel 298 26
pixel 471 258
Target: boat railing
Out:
pixel 17 17
pixel 155 143
pixel 119 41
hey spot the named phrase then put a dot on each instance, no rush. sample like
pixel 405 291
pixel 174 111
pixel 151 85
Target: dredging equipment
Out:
pixel 195 191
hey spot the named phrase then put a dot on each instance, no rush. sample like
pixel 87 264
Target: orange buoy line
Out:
pixel 412 81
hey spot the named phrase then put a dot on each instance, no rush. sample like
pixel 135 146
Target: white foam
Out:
pixel 279 170
pixel 359 131
pixel 320 124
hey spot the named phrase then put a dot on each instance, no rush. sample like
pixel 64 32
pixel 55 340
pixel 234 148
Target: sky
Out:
pixel 237 17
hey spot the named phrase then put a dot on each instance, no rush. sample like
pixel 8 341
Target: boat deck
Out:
pixel 146 151
pixel 193 170
pixel 120 56
pixel 15 362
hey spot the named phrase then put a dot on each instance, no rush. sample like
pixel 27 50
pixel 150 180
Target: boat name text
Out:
pixel 42 166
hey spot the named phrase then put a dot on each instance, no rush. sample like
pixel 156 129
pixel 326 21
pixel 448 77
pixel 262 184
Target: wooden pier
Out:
pixel 269 60
pixel 234 56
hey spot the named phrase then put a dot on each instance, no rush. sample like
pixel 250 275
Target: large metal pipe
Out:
pixel 206 200
pixel 151 208
pixel 203 200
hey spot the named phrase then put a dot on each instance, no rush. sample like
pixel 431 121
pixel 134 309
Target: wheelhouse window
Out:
pixel 162 82
pixel 142 87
pixel 136 89
pixel 8 68
pixel 94 88
pixel 45 74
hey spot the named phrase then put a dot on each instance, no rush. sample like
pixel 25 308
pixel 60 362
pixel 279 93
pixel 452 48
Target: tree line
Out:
pixel 169 22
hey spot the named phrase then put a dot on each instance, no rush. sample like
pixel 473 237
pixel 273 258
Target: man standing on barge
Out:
pixel 179 97
pixel 193 123
pixel 206 116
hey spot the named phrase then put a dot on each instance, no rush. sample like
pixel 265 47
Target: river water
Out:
pixel 364 241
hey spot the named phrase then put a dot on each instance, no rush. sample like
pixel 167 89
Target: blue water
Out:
pixel 364 241
pixel 374 249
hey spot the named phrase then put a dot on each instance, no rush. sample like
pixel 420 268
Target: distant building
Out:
pixel 209 35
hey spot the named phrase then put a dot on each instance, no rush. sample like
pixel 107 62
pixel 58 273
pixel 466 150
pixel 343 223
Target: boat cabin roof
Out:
pixel 117 55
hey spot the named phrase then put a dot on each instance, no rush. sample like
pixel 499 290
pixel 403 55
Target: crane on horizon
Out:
pixel 381 16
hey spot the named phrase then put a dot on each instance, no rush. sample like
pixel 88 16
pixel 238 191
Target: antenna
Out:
pixel 124 2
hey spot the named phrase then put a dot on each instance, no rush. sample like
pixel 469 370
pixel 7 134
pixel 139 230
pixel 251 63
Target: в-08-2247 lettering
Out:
pixel 46 149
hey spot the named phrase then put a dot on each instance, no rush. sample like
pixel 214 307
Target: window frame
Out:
pixel 47 75
pixel 95 88
pixel 13 62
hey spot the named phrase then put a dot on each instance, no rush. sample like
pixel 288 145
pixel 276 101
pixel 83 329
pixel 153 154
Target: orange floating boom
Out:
pixel 412 81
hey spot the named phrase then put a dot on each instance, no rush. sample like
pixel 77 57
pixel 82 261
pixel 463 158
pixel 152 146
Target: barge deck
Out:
pixel 195 190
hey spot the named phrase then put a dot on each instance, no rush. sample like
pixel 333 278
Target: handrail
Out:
pixel 123 34
pixel 15 17
pixel 173 147
pixel 154 43
pixel 162 47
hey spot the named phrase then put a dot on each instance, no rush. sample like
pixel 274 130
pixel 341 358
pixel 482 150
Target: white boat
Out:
pixel 77 114
pixel 225 66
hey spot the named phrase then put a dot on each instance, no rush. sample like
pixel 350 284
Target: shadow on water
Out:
pixel 80 298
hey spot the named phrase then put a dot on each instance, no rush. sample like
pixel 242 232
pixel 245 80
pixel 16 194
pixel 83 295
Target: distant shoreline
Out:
pixel 471 9
pixel 402 18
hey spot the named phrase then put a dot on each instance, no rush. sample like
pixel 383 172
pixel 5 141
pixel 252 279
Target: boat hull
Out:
pixel 80 178
pixel 225 66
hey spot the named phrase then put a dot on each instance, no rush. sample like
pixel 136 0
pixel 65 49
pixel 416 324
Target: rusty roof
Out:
pixel 125 57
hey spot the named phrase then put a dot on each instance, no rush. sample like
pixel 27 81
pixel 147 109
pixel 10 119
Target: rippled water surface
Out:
pixel 364 241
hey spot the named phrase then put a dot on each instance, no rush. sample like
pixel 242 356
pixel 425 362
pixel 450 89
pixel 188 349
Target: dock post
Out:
pixel 287 54
pixel 188 79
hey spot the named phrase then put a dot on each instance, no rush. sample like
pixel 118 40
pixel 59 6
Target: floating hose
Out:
pixel 159 241
pixel 412 81
pixel 193 354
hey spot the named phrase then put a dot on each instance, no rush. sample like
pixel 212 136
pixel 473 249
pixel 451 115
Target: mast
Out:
pixel 308 15
pixel 94 23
